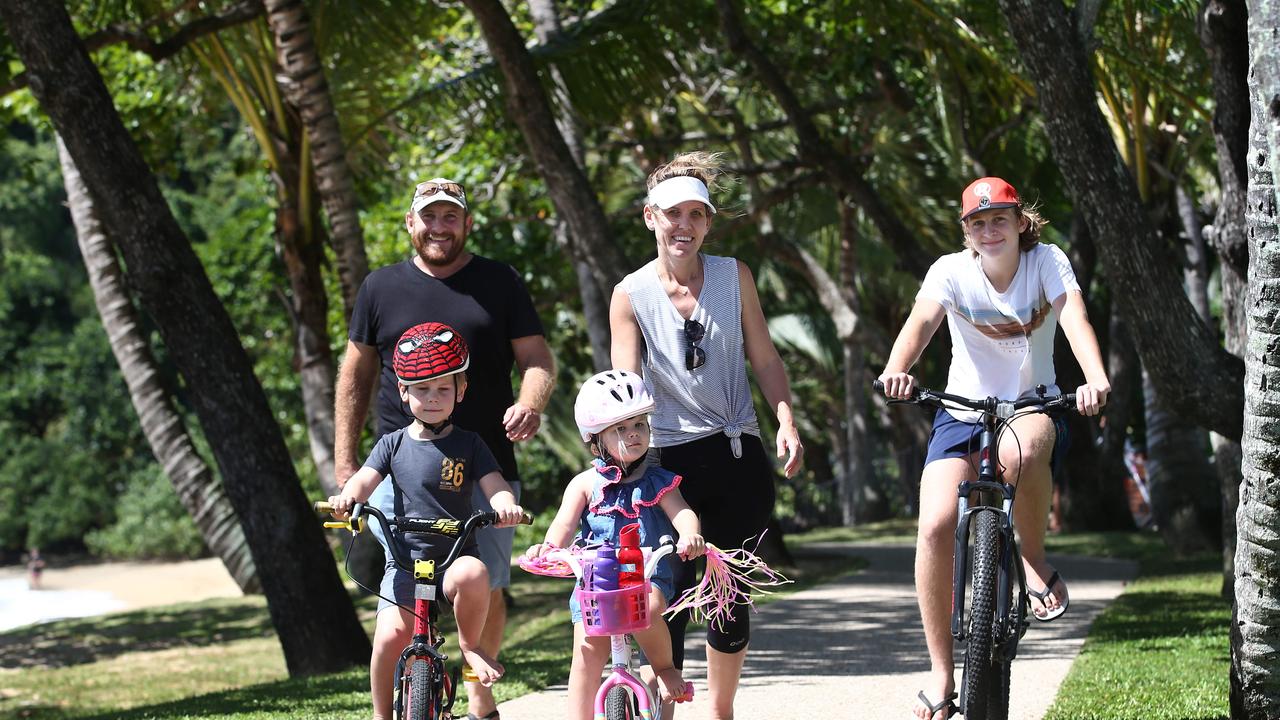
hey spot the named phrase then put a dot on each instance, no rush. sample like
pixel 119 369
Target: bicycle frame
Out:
pixel 988 492
pixel 620 651
pixel 620 645
pixel 426 640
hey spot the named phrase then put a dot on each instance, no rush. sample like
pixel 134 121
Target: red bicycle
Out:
pixel 423 688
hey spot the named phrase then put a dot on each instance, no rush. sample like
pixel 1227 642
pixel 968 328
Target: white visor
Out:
pixel 673 191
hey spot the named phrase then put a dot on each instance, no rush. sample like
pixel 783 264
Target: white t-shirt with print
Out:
pixel 1001 343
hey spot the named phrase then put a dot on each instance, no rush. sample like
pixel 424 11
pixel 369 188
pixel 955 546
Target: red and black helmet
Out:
pixel 430 350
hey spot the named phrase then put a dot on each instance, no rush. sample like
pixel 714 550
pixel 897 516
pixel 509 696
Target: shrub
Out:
pixel 150 523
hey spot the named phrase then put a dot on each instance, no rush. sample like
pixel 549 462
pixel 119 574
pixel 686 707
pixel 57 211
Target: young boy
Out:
pixel 432 465
pixel 1002 298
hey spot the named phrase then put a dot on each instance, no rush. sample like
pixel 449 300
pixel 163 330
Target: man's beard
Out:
pixel 431 254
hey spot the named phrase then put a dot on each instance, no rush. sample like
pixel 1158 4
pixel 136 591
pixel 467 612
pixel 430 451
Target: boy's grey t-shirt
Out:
pixel 432 478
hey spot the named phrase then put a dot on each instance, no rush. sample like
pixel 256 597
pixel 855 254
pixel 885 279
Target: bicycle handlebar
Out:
pixel 448 527
pixel 925 396
pixel 666 546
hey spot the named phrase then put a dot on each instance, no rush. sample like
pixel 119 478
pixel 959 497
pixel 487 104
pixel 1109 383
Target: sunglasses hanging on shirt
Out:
pixel 694 356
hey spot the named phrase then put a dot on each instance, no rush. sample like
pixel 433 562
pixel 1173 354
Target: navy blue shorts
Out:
pixel 952 438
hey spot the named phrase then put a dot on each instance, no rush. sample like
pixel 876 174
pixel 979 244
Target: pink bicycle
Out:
pixel 615 613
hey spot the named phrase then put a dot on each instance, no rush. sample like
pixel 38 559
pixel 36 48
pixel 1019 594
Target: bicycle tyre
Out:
pixel 617 704
pixel 980 680
pixel 419 700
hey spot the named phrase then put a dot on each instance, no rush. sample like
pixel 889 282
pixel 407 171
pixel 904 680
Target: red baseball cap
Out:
pixel 988 193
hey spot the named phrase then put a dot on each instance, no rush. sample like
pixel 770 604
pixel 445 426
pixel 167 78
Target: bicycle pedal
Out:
pixel 469 675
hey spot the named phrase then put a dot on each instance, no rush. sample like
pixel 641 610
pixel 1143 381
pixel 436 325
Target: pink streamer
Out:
pixel 732 578
pixel 548 566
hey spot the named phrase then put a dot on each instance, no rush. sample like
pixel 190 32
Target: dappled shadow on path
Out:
pixel 869 623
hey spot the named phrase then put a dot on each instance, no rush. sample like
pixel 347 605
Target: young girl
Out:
pixel 1002 297
pixel 621 488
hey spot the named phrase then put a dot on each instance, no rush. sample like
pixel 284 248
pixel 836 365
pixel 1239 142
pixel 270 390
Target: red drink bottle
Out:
pixel 630 557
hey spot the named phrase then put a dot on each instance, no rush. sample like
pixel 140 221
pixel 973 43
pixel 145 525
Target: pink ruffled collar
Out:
pixel 626 503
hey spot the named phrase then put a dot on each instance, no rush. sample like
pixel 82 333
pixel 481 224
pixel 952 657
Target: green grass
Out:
pixel 220 658
pixel 1161 650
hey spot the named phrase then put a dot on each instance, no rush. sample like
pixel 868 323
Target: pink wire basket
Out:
pixel 614 612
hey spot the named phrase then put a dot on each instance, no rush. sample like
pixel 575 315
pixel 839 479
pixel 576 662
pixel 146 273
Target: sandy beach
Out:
pixel 94 589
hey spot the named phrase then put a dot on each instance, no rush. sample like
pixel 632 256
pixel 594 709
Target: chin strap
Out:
pixel 438 427
pixel 608 459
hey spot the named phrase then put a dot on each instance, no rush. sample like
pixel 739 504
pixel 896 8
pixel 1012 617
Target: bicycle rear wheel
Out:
pixel 980 665
pixel 418 700
pixel 617 704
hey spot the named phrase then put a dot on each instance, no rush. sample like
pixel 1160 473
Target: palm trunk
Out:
pixel 313 616
pixel 299 236
pixel 570 191
pixel 1108 498
pixel 1224 32
pixel 595 299
pixel 1091 491
pixel 302 251
pixel 200 492
pixel 1184 495
pixel 1194 374
pixel 308 91
pixel 1255 627
pixel 869 502
pixel 859 500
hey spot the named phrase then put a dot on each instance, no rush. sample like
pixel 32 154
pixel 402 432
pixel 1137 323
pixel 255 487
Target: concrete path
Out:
pixel 854 648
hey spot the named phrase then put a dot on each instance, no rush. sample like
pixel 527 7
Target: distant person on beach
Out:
pixel 35 568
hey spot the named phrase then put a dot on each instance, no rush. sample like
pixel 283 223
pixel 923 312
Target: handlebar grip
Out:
pixel 322 507
pixel 526 518
pixel 877 385
pixel 337 524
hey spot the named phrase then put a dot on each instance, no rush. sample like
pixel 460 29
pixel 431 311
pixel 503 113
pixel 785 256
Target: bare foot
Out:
pixel 941 689
pixel 488 671
pixel 671 685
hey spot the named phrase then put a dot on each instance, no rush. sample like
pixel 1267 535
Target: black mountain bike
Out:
pixel 423 689
pixel 998 601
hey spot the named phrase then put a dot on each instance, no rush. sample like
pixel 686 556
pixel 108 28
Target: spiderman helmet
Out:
pixel 430 350
pixel 607 399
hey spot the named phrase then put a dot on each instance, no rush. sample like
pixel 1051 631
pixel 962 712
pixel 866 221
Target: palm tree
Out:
pixel 1255 629
pixel 304 84
pixel 200 492
pixel 1193 373
pixel 597 259
pixel 244 68
pixel 595 300
pixel 1224 32
pixel 314 618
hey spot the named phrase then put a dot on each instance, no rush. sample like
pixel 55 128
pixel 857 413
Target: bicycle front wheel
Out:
pixel 418 700
pixel 617 704
pixel 980 663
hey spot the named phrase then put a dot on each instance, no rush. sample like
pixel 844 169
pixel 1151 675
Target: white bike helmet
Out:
pixel 608 398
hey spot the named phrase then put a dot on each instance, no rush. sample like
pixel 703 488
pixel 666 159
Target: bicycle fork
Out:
pixel 426 645
pixel 620 649
pixel 1009 622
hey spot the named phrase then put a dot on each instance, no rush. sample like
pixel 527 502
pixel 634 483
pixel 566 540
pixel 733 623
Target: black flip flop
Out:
pixel 1041 595
pixel 491 716
pixel 943 703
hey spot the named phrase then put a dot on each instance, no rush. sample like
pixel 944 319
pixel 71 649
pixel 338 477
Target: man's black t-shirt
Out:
pixel 487 302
